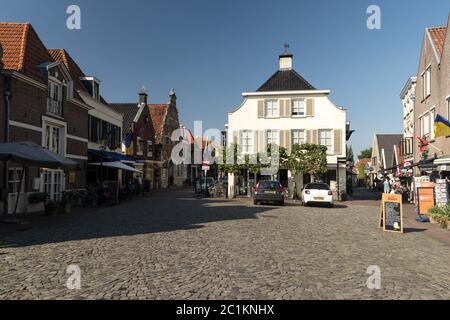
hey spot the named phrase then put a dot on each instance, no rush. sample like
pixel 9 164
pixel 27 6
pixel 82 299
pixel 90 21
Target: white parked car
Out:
pixel 317 193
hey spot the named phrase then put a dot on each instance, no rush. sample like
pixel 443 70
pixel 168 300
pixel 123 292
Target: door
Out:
pixel 53 184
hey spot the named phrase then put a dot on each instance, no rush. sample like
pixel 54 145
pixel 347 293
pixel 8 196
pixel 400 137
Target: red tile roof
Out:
pixel 61 55
pixel 438 36
pixel 158 113
pixel 22 50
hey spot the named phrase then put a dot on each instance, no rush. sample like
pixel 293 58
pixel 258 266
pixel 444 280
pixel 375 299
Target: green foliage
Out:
pixel 365 154
pixel 307 158
pixel 361 171
pixel 37 197
pixel 440 214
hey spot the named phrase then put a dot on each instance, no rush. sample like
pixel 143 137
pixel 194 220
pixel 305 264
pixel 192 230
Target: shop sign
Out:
pixel 391 213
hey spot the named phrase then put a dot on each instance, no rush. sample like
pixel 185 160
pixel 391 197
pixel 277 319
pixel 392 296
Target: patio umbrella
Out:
pixel 33 155
pixel 30 154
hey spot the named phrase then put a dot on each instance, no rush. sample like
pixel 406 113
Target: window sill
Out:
pixel 54 115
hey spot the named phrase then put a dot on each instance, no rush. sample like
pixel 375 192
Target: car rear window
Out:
pixel 269 185
pixel 317 186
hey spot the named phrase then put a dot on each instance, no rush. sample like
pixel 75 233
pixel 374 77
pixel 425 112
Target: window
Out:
pixel 272 137
pixel 298 137
pixel 149 149
pixel 432 118
pixel 246 141
pixel 448 108
pixel 325 139
pixel 272 109
pixel 54 99
pixel 426 83
pixel 426 125
pixel 96 93
pixel 14 175
pixel 53 138
pixel 53 184
pixel 298 108
pixel 140 146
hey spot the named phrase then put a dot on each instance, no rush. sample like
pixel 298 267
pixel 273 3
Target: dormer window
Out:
pixel 54 98
pixel 92 85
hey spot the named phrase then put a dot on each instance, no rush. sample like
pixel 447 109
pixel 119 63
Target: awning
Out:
pixel 116 165
pixel 442 161
pixel 34 155
pixel 112 156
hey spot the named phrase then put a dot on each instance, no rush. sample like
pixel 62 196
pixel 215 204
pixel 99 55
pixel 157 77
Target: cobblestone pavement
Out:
pixel 172 245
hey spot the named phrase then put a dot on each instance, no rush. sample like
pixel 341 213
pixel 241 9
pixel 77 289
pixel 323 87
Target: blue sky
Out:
pixel 211 51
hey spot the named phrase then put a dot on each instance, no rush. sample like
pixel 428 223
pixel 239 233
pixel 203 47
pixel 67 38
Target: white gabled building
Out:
pixel 287 110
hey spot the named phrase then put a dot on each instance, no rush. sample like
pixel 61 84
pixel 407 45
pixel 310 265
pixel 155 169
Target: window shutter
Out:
pixel 309 136
pixel 337 142
pixel 288 108
pixel 235 137
pixel 282 108
pixel 310 107
pixel 255 141
pixel 316 136
pixel 261 109
pixel 260 141
pixel 288 134
pixel 282 139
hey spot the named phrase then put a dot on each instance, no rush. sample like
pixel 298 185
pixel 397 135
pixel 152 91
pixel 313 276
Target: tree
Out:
pixel 362 171
pixel 307 158
pixel 365 154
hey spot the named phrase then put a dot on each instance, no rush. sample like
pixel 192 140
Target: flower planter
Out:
pixel 51 209
pixel 35 207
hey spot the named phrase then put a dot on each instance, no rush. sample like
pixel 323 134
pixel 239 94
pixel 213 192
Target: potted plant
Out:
pixel 51 208
pixel 66 202
pixel 36 202
pixel 440 215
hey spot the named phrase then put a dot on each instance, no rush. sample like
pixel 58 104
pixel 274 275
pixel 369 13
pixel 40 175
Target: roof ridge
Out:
pixel 23 46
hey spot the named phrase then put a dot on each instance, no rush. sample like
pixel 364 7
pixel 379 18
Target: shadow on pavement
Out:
pixel 162 212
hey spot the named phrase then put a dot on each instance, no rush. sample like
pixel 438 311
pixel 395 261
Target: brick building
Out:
pixel 43 108
pixel 139 135
pixel 433 97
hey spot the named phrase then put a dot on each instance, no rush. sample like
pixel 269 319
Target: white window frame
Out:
pixel 13 184
pixel 274 107
pixel 432 118
pixel 139 151
pixel 50 187
pixel 53 123
pixel 299 132
pixel 426 125
pixel 301 106
pixel 248 147
pixel 426 82
pixel 330 138
pixel 270 141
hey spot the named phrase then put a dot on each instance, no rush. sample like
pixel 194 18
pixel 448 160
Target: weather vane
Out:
pixel 286 47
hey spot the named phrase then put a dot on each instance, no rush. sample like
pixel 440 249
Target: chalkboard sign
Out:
pixel 391 215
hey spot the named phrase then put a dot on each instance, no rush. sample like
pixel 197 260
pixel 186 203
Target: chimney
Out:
pixel 143 96
pixel 286 59
pixel 172 97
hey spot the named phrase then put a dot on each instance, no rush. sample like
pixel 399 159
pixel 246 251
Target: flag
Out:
pixel 441 127
pixel 423 144
pixel 128 142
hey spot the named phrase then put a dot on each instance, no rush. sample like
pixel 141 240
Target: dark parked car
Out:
pixel 269 191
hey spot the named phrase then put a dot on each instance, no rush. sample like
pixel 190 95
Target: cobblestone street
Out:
pixel 174 246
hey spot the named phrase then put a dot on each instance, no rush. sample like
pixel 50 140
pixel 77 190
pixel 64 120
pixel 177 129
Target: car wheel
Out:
pixel 330 205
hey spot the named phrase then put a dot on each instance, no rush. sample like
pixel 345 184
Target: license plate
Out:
pixel 270 192
pixel 319 198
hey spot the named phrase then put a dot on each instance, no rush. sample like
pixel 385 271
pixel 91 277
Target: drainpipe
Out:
pixel 7 96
